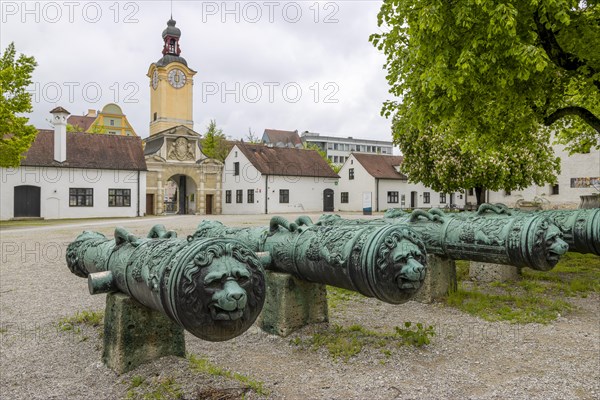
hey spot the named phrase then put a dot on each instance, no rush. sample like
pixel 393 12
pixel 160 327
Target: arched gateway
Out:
pixel 173 151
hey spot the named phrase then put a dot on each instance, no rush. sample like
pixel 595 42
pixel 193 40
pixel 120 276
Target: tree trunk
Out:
pixel 480 194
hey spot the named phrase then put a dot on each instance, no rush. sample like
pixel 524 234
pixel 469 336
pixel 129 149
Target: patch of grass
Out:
pixel 462 270
pixel 89 318
pixel 346 342
pixel 514 308
pixel 203 365
pixel 337 297
pixel 3 330
pixel 538 297
pixel 159 389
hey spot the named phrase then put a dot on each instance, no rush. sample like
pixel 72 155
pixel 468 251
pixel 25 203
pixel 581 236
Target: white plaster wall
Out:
pixel 306 193
pixel 248 179
pixel 574 166
pixel 362 182
pixel 54 186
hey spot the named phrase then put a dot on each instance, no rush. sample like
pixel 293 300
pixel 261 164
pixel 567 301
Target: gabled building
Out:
pixel 258 179
pixel 279 138
pixel 76 175
pixel 378 178
pixel 111 120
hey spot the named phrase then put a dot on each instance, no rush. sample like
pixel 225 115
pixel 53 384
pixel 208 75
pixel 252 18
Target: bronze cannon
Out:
pixel 385 262
pixel 524 240
pixel 214 288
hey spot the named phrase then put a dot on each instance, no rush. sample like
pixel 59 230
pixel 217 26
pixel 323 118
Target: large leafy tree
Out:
pixel 15 135
pixel 214 143
pixel 481 85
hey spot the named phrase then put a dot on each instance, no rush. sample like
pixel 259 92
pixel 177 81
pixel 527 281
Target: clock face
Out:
pixel 176 78
pixel 155 79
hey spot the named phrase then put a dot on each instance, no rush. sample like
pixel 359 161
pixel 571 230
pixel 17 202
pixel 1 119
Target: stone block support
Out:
pixel 135 334
pixel 489 272
pixel 291 304
pixel 439 281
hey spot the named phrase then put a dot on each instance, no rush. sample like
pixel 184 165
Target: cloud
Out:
pixel 324 53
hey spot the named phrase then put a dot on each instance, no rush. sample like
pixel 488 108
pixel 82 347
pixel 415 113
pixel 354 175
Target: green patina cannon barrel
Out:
pixel 214 288
pixel 580 228
pixel 524 240
pixel 386 262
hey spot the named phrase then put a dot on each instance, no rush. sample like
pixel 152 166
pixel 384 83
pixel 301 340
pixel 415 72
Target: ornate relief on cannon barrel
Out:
pixel 490 235
pixel 580 228
pixel 214 288
pixel 386 262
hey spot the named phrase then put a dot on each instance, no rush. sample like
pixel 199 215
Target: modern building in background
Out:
pixel 258 179
pixel 76 175
pixel 338 149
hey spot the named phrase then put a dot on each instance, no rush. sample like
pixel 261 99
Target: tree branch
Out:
pixel 555 52
pixel 583 113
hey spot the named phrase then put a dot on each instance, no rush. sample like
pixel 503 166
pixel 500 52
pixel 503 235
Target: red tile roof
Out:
pixel 286 161
pixel 381 166
pixel 80 122
pixel 276 136
pixel 88 150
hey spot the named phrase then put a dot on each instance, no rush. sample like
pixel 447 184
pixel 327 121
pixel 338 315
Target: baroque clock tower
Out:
pixel 171 84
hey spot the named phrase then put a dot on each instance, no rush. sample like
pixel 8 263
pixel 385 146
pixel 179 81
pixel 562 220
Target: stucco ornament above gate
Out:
pixel 182 149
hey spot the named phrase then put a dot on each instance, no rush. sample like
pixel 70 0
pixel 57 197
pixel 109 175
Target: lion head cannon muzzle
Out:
pixel 214 288
pixel 385 262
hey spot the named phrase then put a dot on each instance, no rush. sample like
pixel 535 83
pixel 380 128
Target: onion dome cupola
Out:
pixel 171 50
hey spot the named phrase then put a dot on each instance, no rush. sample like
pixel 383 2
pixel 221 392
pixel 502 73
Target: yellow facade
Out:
pixel 111 120
pixel 171 96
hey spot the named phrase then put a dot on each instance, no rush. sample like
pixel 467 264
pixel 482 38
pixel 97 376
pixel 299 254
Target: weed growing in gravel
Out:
pixel 203 365
pixel 337 297
pixel 346 342
pixel 90 318
pixel 537 297
pixel 159 389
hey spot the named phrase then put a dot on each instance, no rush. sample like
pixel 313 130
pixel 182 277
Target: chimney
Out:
pixel 59 120
pixel 91 113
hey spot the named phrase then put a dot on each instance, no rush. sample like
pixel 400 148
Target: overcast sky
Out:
pixel 303 65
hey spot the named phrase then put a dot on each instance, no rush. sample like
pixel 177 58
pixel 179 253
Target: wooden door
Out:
pixel 27 201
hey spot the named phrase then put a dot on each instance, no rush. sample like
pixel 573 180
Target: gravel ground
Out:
pixel 468 357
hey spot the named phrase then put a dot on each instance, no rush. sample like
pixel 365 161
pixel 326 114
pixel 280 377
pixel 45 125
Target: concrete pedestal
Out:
pixel 135 334
pixel 439 281
pixel 291 304
pixel 488 272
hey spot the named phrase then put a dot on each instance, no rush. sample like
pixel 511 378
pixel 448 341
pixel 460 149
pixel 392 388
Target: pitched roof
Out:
pixel 286 137
pixel 88 150
pixel 286 161
pixel 81 122
pixel 381 166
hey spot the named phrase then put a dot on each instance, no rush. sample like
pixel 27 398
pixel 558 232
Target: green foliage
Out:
pixel 15 135
pixel 346 342
pixel 538 297
pixel 203 365
pixel 323 154
pixel 480 84
pixel 158 389
pixel 214 143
